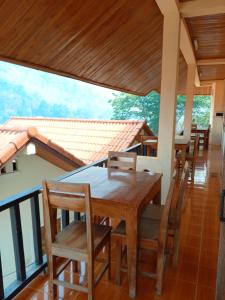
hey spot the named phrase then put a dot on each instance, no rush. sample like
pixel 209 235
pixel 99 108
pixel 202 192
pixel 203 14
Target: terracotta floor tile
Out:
pixel 184 290
pixel 210 244
pixel 207 277
pixel 192 241
pixel 208 259
pixel 188 271
pixel 205 293
pixel 189 254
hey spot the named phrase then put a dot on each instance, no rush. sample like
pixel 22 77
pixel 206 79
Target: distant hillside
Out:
pixel 16 102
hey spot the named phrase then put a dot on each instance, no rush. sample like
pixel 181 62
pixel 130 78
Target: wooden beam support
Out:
pixel 189 100
pixel 170 65
pixel 187 49
pixel 199 8
pixel 168 7
pixel 211 61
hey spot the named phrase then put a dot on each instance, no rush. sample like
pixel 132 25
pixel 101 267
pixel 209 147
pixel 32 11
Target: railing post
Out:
pixel 36 226
pixel 1 281
pixel 17 236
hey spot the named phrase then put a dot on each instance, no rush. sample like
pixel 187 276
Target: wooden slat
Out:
pixel 209 32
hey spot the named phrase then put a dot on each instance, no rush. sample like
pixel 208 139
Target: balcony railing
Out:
pixel 12 204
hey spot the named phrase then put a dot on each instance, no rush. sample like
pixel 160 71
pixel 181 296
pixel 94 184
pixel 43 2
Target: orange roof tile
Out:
pixel 83 140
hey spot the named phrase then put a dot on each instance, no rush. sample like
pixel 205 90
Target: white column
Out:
pixel 218 106
pixel 191 71
pixel 170 60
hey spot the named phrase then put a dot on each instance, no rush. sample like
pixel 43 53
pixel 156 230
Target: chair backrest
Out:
pixel 68 196
pixel 179 199
pixel 164 225
pixel 122 160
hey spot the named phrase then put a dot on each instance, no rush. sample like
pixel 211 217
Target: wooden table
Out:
pixel 122 195
pixel 182 144
pixel 205 133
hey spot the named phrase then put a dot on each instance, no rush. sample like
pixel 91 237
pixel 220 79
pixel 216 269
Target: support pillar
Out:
pixel 170 62
pixel 191 71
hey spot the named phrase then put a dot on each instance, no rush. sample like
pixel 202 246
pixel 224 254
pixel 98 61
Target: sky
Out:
pixel 54 89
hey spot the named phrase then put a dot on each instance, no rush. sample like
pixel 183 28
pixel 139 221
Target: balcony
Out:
pixel 194 277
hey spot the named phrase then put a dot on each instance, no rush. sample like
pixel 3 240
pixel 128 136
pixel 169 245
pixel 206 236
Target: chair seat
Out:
pixel 149 229
pixel 73 239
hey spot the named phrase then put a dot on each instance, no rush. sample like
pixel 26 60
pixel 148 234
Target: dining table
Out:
pixel 121 195
pixel 180 144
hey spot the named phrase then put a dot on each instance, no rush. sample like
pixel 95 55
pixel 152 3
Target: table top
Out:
pixel 177 141
pixel 111 185
pixel 181 141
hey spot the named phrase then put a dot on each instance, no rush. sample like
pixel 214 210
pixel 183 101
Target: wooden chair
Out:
pixel 155 212
pixel 190 156
pixel 152 236
pixel 122 160
pixel 79 241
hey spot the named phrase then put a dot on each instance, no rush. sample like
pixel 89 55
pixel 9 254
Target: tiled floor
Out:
pixel 195 276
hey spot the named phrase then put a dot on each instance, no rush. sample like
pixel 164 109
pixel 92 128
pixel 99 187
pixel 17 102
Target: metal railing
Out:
pixel 12 204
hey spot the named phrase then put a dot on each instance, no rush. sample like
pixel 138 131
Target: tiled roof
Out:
pixel 84 140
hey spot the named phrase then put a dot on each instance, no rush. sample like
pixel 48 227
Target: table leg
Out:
pixel 157 198
pixel 183 154
pixel 132 250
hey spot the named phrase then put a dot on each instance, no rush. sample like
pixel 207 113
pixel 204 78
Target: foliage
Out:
pixel 201 110
pixel 126 106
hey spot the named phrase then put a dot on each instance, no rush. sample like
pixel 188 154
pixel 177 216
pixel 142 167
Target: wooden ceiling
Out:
pixel 114 43
pixel 209 32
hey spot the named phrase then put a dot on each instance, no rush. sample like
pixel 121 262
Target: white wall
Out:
pixel 31 170
pixel 218 106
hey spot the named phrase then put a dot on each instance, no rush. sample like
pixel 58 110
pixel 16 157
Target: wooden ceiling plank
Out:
pixel 198 8
pixel 211 61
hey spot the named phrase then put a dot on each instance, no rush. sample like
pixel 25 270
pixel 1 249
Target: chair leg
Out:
pixel 118 262
pixel 91 287
pixel 108 251
pixel 159 272
pixel 52 275
pixel 176 249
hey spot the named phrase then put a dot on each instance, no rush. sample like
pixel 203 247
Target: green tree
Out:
pixel 201 110
pixel 127 106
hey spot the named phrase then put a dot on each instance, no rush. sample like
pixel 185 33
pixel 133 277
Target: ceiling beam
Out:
pixel 211 61
pixel 169 7
pixel 199 8
pixel 187 48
